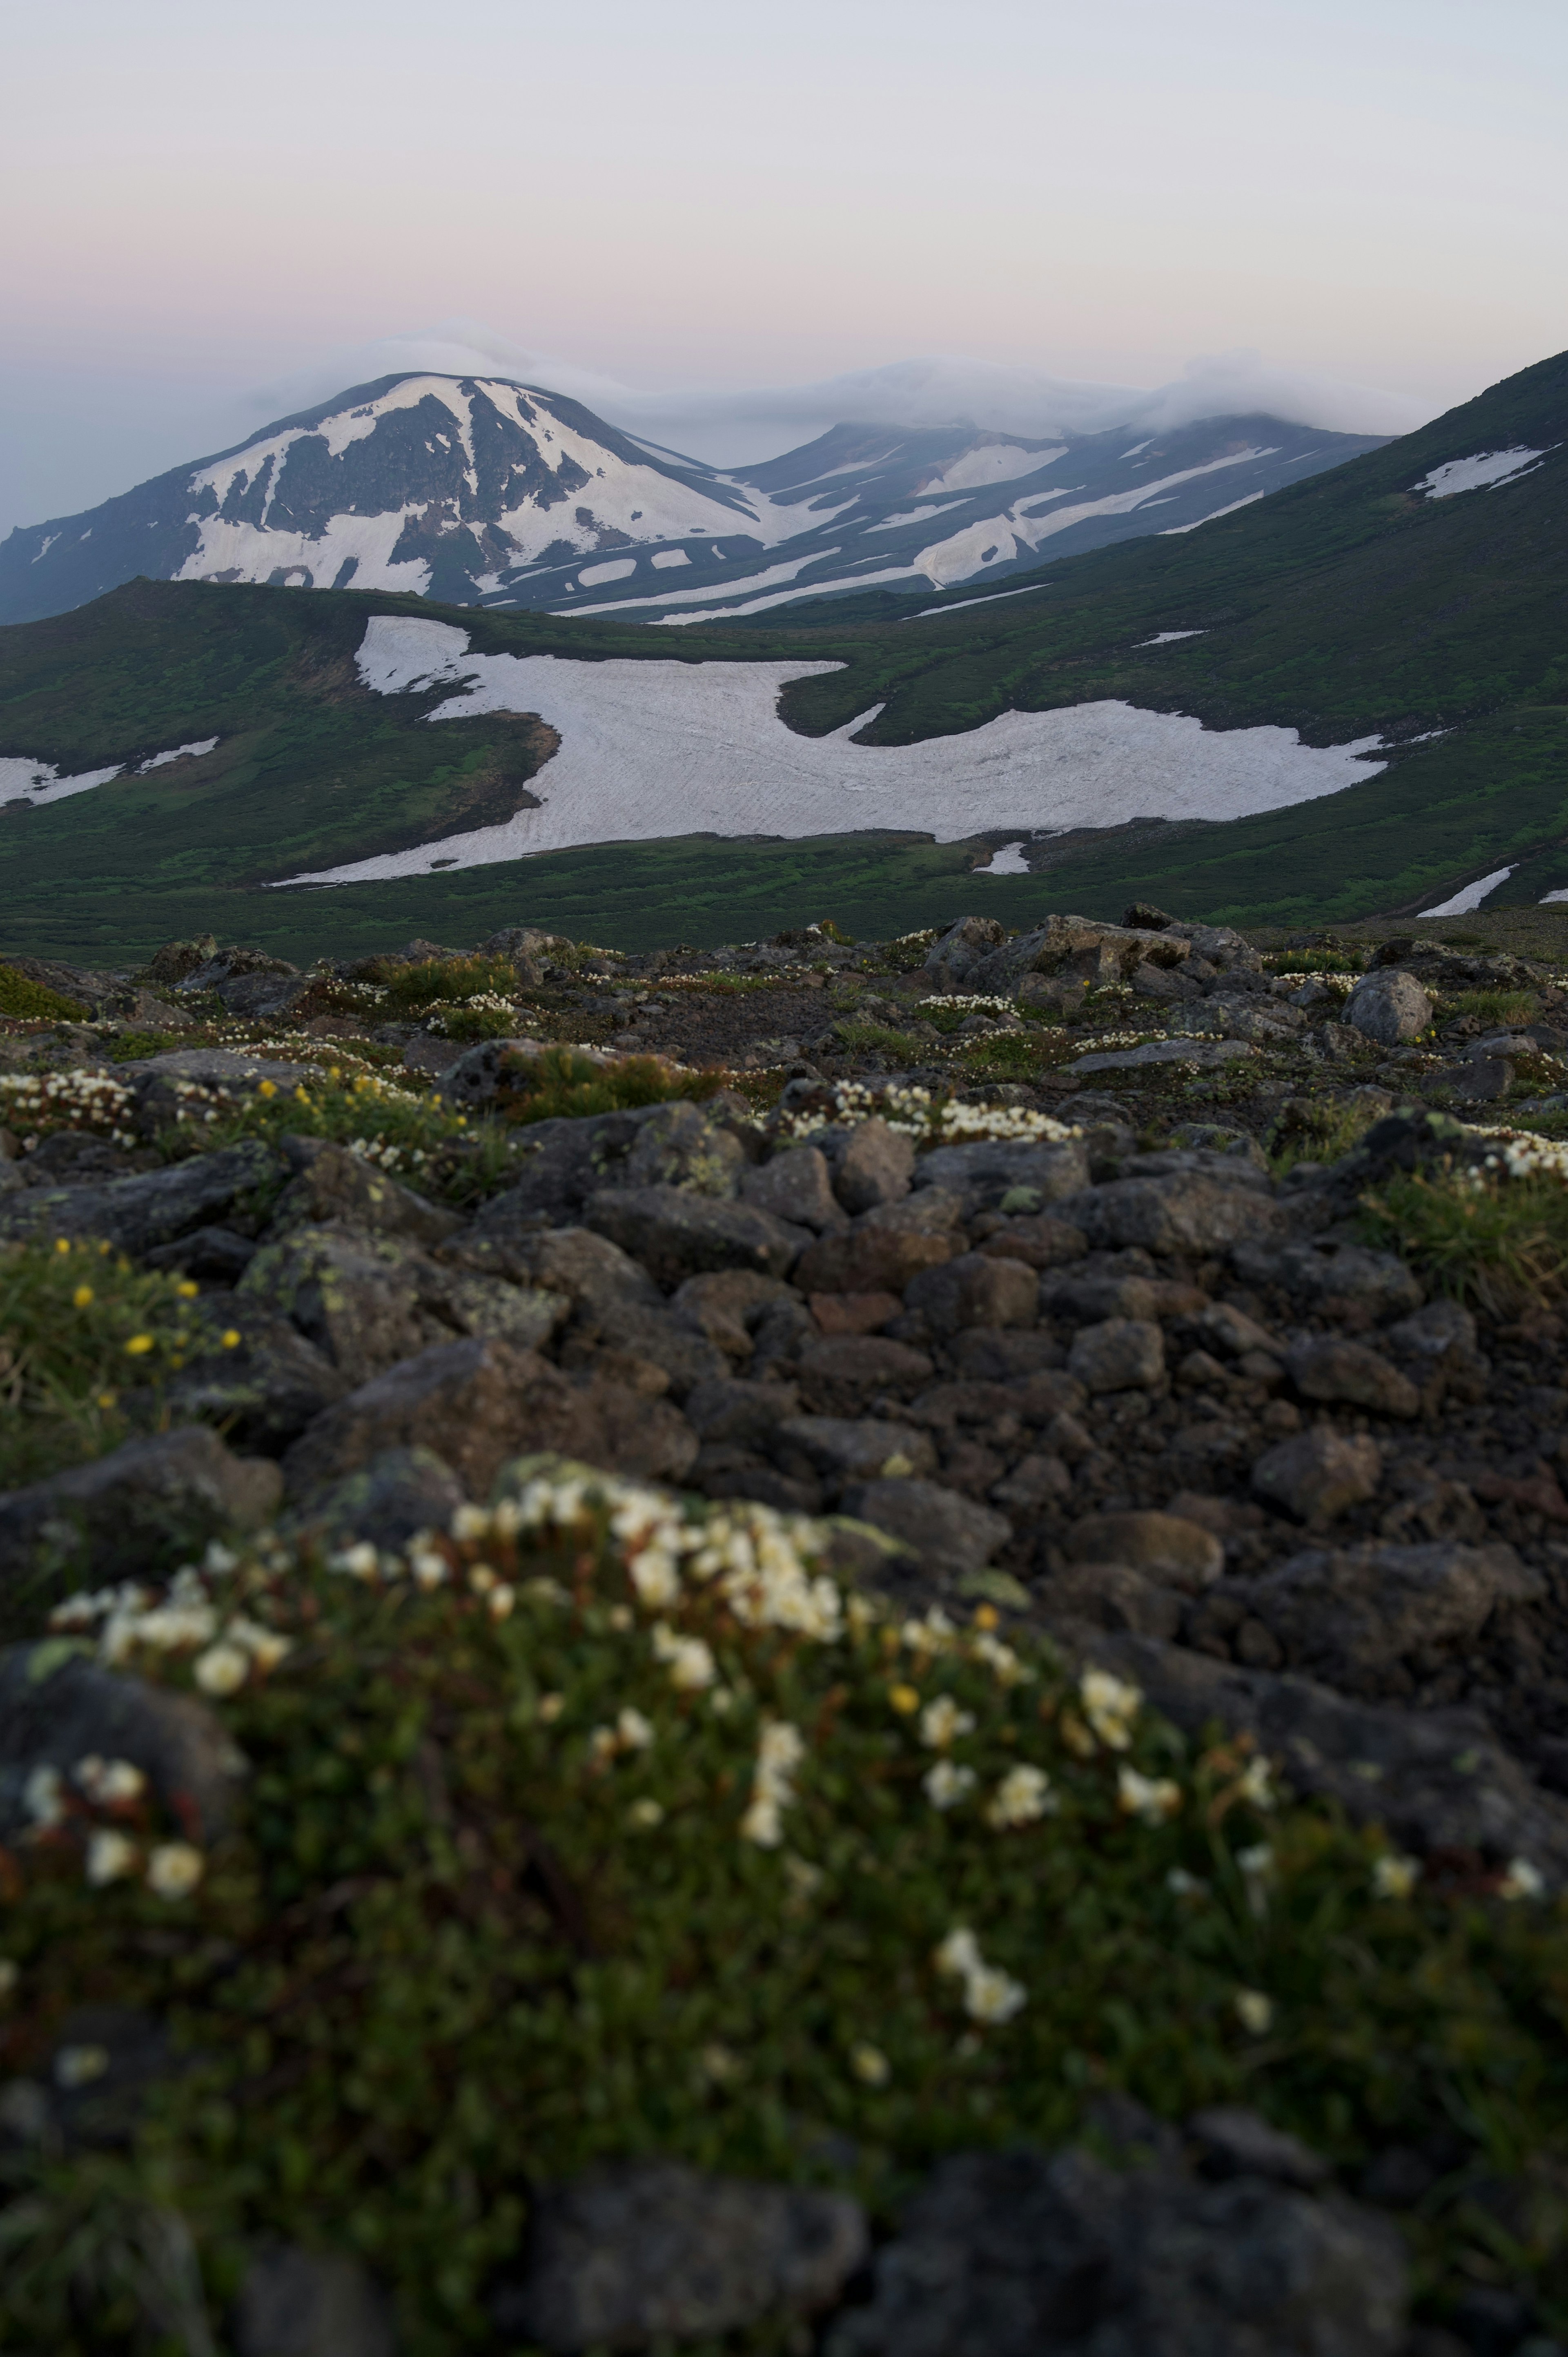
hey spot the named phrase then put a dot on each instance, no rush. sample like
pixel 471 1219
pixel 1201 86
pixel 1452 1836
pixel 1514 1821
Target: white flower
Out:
pixel 471 1522
pixel 1151 1799
pixel 959 1954
pixel 1022 1796
pixel 1255 2011
pixel 780 1749
pixel 1111 1706
pixel 804 1879
pixel 1184 1885
pixel 1522 1881
pixel 634 1732
pixel 762 1822
pixel 43 1796
pixel 690 1661
pixel 222 1669
pixel 1256 1785
pixel 502 1597
pixel 361 1561
pixel 656 1577
pixel 78 2066
pixel 266 1647
pixel 992 1996
pixel 175 1869
pixel 869 2064
pixel 110 1856
pixel 550 1706
pixel 945 1784
pixel 942 1722
pixel 429 1569
pixel 1394 1876
pixel 109 1783
pixel 646 1813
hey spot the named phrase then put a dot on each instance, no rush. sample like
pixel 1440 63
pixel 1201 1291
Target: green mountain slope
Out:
pixel 1347 607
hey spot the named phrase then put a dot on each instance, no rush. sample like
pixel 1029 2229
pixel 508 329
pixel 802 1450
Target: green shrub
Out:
pixel 22 1001
pixel 1483 1235
pixel 877 1039
pixel 1004 1055
pixel 79 1328
pixel 126 1046
pixel 611 1827
pixel 1492 1005
pixel 419 1139
pixel 1317 1130
pixel 563 1080
pixel 408 990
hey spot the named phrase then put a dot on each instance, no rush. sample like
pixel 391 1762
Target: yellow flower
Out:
pixel 267 1088
pixel 106 1399
pixel 138 1346
pixel 904 1698
pixel 986 1616
pixel 231 1338
pixel 81 1297
pixel 187 1289
pixel 62 1243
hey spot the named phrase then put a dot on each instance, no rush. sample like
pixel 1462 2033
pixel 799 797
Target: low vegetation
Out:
pixel 1495 1237
pixel 22 1001
pixel 605 1828
pixel 562 1081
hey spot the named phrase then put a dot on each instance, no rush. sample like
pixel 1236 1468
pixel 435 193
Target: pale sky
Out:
pixel 205 205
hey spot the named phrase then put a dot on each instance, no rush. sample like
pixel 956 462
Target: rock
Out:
pixel 212 1255
pixel 366 1302
pixel 853 1313
pixel 675 1234
pixel 1203 1053
pixel 558 1164
pixel 1110 1596
pixel 726 1304
pixel 474 1077
pixel 334 1185
pixel 216 1067
pixel 598 1335
pixel 1329 1277
pixel 840 1371
pixel 1231 1167
pixel 1441 1332
pixel 1319 1474
pixel 1087 1300
pixel 591 1273
pixel 1350 1616
pixel 58 1706
pixel 399 1493
pixel 146 1507
pixel 1036 1483
pixel 953 958
pixel 1237 2143
pixel 975 1290
pixel 1183 1211
pixel 1167 1550
pixel 1389 1007
pixel 875 1258
pixel 1332 1369
pixel 726 1409
pixel 1437 1779
pixel 264 1388
pixel 1023 2253
pixel 1224 1328
pixel 135 1214
pixel 875 1166
pixel 1121 1354
pixel 949 1533
pixel 795 1186
pixel 862 1449
pixel 474 1403
pixel 681 1144
pixel 983 1171
pixel 298 2303
pixel 1042 1241
pixel 649 2251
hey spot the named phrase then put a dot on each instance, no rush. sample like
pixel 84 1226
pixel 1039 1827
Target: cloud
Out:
pixel 728 427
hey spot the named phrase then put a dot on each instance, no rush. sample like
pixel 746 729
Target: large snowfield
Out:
pixel 1486 470
pixel 652 749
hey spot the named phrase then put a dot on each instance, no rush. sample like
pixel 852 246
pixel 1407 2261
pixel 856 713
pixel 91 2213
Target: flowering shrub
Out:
pixel 931 1120
pixel 419 1139
pixel 79 1330
pixel 577 1081
pixel 36 1105
pixel 601 1825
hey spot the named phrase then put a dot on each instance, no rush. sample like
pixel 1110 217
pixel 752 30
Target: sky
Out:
pixel 715 215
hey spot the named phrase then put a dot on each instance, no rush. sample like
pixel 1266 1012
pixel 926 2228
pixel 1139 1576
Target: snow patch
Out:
pixel 1138 445
pixel 22 780
pixel 663 561
pixel 1174 531
pixel 999 538
pixel 619 569
pixel 250 552
pixel 656 748
pixel 1008 861
pixel 1486 470
pixel 1472 895
pixel 993 462
pixel 161 760
pixel 960 604
pixel 914 515
pixel 1168 638
pixel 786 571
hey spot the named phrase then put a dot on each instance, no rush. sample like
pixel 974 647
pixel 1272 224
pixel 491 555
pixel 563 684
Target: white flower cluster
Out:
pixel 33 1102
pixel 990 1994
pixel 779 1751
pixel 126 1618
pixel 971 1002
pixel 383 1155
pixel 915 1113
pixel 959 1122
pixel 1519 1155
pixel 483 1002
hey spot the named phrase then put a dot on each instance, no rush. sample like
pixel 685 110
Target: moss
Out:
pixel 502 1899
pixel 22 1001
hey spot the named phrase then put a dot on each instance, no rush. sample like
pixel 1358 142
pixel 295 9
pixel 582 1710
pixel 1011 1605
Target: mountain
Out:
pixel 1348 697
pixel 483 492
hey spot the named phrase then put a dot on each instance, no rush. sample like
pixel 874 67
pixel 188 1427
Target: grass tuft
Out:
pixel 1499 1241
pixel 562 1082
pixel 1493 1006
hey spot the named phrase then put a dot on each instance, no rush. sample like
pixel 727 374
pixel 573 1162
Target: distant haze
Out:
pixel 726 227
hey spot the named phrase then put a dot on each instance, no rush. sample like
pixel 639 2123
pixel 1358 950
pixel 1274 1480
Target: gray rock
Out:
pixel 298 2303
pixel 650 2251
pixel 474 1403
pixel 1202 1053
pixel 675 1234
pixel 1437 1779
pixel 1441 1330
pixel 1110 1596
pixel 953 958
pixel 1224 1328
pixel 388 1502
pixel 795 1186
pixel 474 1077
pixel 264 1388
pixel 1319 1474
pixel 58 1706
pixel 838 1372
pixel 1121 1354
pixel 146 1507
pixel 1167 1549
pixel 334 1185
pixel 1389 1007
pixel 1333 1369
pixel 1321 1275
pixel 1183 1211
pixel 1351 1615
pixel 681 1144
pixel 212 1255
pixel 975 1289
pixel 949 1533
pixel 558 1164
pixel 1237 2143
pixel 875 1166
pixel 591 1273
pixel 1087 1300
pixel 222 1067
pixel 364 1301
pixel 980 1173
pixel 135 1214
pixel 1228 1166
pixel 1026 2255
pixel 860 1449
pixel 726 1409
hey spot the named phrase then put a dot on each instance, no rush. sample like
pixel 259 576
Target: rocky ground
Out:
pixel 1042 1267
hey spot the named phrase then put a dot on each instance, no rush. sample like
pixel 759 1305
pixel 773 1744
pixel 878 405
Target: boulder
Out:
pixel 335 1185
pixel 839 1373
pixel 1318 1475
pixel 364 1301
pixel 1170 1551
pixel 1118 1355
pixel 135 1214
pixel 297 2303
pixel 1348 1373
pixel 983 1171
pixel 58 1706
pixel 145 1508
pixel 1043 1241
pixel 796 1186
pixel 644 2252
pixel 1185 1212
pixel 676 1235
pixel 949 1533
pixel 474 1404
pixel 1350 1616
pixel 388 1502
pixel 951 959
pixel 974 1290
pixel 862 1449
pixel 1026 2254
pixel 1390 1006
pixel 728 1409
pixel 263 1388
pixel 1330 1278
pixel 874 1165
pixel 682 1145
pixel 875 1258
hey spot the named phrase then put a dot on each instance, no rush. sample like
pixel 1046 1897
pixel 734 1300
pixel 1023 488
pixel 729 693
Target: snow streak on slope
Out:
pixel 1488 469
pixel 652 749
pixel 24 780
pixel 998 539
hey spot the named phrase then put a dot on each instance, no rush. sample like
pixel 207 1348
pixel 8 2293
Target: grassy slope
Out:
pixel 1343 607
